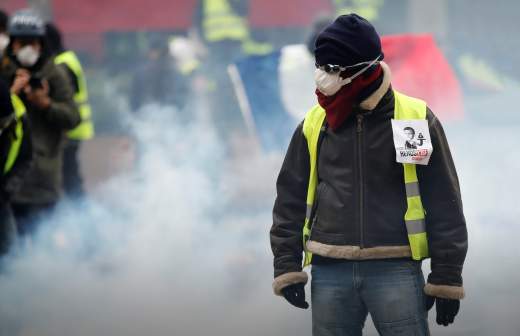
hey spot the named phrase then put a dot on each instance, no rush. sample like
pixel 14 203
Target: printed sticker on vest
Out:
pixel 412 141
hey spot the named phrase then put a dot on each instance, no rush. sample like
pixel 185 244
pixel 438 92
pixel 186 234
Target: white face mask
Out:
pixel 27 56
pixel 330 83
pixel 4 42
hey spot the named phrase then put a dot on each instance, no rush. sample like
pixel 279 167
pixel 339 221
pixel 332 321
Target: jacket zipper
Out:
pixel 361 180
pixel 314 218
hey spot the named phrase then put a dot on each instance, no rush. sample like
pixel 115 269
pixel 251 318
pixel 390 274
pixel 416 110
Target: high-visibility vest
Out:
pixel 85 130
pixel 369 9
pixel 14 149
pixel 221 23
pixel 406 108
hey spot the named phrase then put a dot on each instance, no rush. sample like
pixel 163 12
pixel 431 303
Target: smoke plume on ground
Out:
pixel 179 245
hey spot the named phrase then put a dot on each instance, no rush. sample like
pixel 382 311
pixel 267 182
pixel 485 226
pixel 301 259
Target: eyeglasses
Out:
pixel 333 68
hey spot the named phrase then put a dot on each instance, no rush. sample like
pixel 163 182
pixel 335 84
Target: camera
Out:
pixel 36 82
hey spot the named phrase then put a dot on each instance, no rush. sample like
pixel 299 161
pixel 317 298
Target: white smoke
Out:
pixel 166 253
pixel 179 245
pixel 488 175
pixel 160 250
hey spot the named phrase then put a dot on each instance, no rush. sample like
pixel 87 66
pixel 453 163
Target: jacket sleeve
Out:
pixel 289 214
pixel 445 222
pixel 63 112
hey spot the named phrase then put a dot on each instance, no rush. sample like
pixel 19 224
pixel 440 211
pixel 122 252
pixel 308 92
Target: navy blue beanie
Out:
pixel 349 40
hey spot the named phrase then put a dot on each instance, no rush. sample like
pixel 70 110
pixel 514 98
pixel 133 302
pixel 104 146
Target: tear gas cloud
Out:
pixel 161 251
pixel 172 248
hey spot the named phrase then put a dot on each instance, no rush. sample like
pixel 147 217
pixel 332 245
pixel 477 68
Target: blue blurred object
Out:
pixel 260 78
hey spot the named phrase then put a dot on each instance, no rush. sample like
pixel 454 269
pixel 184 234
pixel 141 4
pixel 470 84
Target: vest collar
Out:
pixel 371 102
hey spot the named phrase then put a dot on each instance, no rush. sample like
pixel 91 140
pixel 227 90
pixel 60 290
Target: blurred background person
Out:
pixel 368 9
pixel 192 83
pixel 157 80
pixel 223 26
pixel 15 159
pixel 72 179
pixel 47 94
pixel 4 37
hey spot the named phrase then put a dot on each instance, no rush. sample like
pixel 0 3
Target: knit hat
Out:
pixel 26 23
pixel 349 40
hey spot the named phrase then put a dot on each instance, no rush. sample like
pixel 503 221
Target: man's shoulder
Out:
pixel 49 68
pixel 54 73
pixel 7 67
pixel 314 111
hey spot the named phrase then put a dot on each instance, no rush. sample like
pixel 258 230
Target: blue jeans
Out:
pixel 343 293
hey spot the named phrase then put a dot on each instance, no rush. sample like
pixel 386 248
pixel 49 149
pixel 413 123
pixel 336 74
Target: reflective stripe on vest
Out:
pixel 408 108
pixel 221 23
pixel 405 108
pixel 252 47
pixel 311 130
pixel 85 130
pixel 14 150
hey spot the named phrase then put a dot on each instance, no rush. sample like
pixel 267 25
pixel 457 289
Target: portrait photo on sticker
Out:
pixel 412 141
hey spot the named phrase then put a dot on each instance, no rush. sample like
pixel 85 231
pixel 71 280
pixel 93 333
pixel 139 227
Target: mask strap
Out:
pixel 348 80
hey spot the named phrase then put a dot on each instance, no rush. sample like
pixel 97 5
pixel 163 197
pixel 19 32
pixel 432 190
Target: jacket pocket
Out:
pixel 330 211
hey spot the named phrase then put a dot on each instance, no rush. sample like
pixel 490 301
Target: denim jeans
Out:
pixel 343 293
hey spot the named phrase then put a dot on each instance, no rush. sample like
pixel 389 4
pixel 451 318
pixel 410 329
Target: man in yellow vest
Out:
pixel 348 198
pixel 225 28
pixel 15 159
pixel 72 180
pixel 369 9
pixel 46 93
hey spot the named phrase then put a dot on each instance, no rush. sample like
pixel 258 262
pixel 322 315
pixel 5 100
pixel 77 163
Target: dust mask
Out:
pixel 330 82
pixel 27 56
pixel 4 42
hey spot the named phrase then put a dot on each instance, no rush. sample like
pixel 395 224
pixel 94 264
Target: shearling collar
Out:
pixel 371 102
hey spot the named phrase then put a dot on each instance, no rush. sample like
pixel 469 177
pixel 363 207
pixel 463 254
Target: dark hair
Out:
pixel 320 23
pixel 409 129
pixel 6 107
pixel 53 38
pixel 4 18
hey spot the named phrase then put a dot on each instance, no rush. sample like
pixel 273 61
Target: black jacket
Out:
pixel 361 200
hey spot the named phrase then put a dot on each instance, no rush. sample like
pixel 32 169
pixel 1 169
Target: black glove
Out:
pixel 295 294
pixel 447 309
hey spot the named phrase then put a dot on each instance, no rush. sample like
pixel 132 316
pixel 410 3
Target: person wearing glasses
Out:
pixel 358 217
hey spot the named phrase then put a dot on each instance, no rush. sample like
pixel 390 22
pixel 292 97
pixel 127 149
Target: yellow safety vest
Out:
pixel 14 150
pixel 369 9
pixel 221 23
pixel 406 108
pixel 85 130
